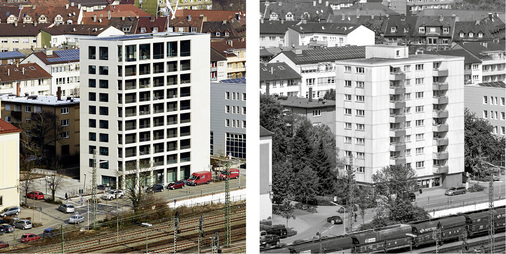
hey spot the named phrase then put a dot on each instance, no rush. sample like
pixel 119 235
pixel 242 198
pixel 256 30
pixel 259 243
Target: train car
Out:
pixel 451 227
pixel 499 220
pixel 333 244
pixel 478 223
pixel 382 239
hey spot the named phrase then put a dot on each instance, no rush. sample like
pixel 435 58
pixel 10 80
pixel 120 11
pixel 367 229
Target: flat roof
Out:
pixel 297 102
pixel 39 100
pixel 411 58
pixel 139 36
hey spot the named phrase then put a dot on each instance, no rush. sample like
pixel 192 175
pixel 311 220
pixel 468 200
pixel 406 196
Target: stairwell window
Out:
pixel 359 69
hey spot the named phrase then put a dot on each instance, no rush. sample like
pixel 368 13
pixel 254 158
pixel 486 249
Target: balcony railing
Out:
pixel 439 72
pixel 440 169
pixel 397 118
pixel 440 127
pixel 397 146
pixel 440 100
pixel 397 104
pixel 399 132
pixel 440 86
pixel 440 142
pixel 440 156
pixel 442 113
pixel 397 75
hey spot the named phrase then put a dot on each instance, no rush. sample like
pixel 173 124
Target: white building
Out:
pixel 149 100
pixel 25 79
pixel 9 166
pixel 328 35
pixel 63 65
pixel 392 108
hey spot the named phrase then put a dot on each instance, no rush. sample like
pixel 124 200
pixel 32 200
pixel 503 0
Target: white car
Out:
pixel 76 219
pixel 110 195
pixel 66 208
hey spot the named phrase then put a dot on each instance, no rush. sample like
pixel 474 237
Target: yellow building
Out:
pixel 9 165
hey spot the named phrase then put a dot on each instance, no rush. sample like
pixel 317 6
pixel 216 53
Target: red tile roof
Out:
pixel 51 11
pixel 11 72
pixel 122 10
pixel 211 15
pixel 6 127
pixel 150 22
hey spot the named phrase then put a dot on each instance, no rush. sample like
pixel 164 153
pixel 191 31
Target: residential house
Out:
pixel 279 79
pixel 415 6
pixel 14 37
pixel 20 109
pixel 212 15
pixel 9 168
pixel 328 35
pixel 375 9
pixel 272 32
pixel 399 29
pixel 265 173
pixel 434 33
pixel 318 112
pixel 20 79
pixel 487 101
pixel 235 52
pixel 224 30
pixel 218 66
pixel 11 57
pixel 89 5
pixel 188 24
pixel 63 66
pixel 492 56
pixel 472 64
pixel 295 10
pixel 51 14
pixel 113 11
pixel 151 25
pixel 69 35
pixel 487 29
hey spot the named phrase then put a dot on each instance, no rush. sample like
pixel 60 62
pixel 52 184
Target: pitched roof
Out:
pixel 124 24
pixel 265 133
pixel 27 71
pixel 473 27
pixel 212 15
pixel 189 23
pixel 372 22
pixel 468 58
pixel 6 127
pixel 234 29
pixel 149 23
pixel 277 71
pixel 226 47
pixel 300 10
pixel 77 29
pixel 89 2
pixel 216 56
pixel 464 15
pixel 365 9
pixel 480 50
pixel 11 55
pixel 9 30
pixel 499 84
pixel 298 102
pixel 122 10
pixel 401 23
pixel 59 56
pixel 51 11
pixel 317 55
pixel 275 26
pixel 6 11
pixel 442 21
pixel 327 28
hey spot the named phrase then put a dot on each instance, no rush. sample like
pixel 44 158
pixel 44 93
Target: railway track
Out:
pixel 476 245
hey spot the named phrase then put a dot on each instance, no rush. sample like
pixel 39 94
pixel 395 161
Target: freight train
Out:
pixel 409 235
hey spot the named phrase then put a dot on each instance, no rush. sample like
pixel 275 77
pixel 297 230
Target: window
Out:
pixel 360 141
pixel 360 98
pixel 347 111
pixel 104 151
pixel 244 123
pixel 419 109
pixel 65 134
pixel 407 96
pixel 360 155
pixel 104 137
pixel 360 112
pixel 347 83
pixel 91 150
pixel 103 97
pixel 92 69
pixel 227 95
pixel 227 122
pixel 419 81
pixel 104 124
pixel 347 97
pixel 347 69
pixel 347 126
pixel 419 67
pixel 502 116
pixel 103 70
pixel 419 95
pixel 64 110
pixel 92 52
pixel 92 136
pixel 104 111
pixel 485 114
pixel 227 109
pixel 103 53
pixel 28 109
pixel 92 96
pixel 475 67
pixel 419 123
pixel 360 84
pixel 65 122
pixel 419 136
pixel 421 29
pixel 419 164
pixel 502 101
pixel 92 123
pixel 104 83
pixel 446 30
pixel 407 152
pixel 244 110
pixel 361 169
pixel 419 150
pixel 360 127
pixel 485 99
pixel 347 140
pixel 92 83
pixel 359 69
pixel 243 96
pixel 407 138
pixel 317 112
pixel 348 153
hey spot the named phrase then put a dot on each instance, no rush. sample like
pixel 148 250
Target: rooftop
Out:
pixel 6 127
pixel 468 58
pixel 264 132
pixel 325 54
pixel 40 100
pixel 234 81
pixel 139 36
pixel 11 54
pixel 59 56
pixel 28 71
pixel 277 71
pixel 328 28
pixel 411 58
pixel 297 102
pixel 499 84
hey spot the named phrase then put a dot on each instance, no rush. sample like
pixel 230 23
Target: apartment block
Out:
pixel 20 109
pixel 148 113
pixel 487 101
pixel 9 168
pixel 228 123
pixel 394 108
pixel 265 173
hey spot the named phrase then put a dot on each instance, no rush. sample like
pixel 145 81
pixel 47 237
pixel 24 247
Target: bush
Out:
pixel 57 202
pixel 266 222
pixel 304 207
pixel 476 187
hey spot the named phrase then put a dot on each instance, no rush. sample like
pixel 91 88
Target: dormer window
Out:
pixel 274 16
pixel 27 19
pixel 155 29
pixel 42 19
pixel 69 22
pixel 461 34
pixel 480 34
pixel 289 16
pixel 446 30
pixel 217 34
pixel 143 29
pixel 421 29
pixel 406 30
pixel 227 34
pixel 393 29
pixel 193 29
pixel 126 29
pixel 471 35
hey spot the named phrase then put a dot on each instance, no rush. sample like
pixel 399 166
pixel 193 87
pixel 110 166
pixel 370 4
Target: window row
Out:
pixel 358 141
pixel 358 84
pixel 493 115
pixel 235 96
pixel 154 68
pixel 358 112
pixel 358 98
pixel 143 51
pixel 235 110
pixel 358 126
pixel 235 123
pixel 493 100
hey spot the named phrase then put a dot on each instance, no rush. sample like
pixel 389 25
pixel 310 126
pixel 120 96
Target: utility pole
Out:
pixel 62 239
pixel 228 230
pixel 351 184
pixel 491 214
pixel 201 232
pixel 94 187
pixel 176 231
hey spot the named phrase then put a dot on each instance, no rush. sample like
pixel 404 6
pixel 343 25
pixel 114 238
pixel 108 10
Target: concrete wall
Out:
pixel 9 169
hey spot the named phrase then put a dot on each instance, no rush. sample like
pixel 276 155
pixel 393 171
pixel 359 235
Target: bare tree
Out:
pixel 133 185
pixel 27 179
pixel 54 181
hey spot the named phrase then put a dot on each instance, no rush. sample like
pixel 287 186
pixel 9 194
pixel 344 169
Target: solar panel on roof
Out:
pixel 234 81
pixel 11 54
pixel 65 55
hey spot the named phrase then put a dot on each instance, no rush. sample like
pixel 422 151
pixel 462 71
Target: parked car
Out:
pixel 234 173
pixel 3 245
pixel 200 177
pixel 7 228
pixel 66 208
pixel 278 230
pixel 76 219
pixel 102 187
pixel 455 191
pixel 268 241
pixel 335 219
pixel 112 194
pixel 10 211
pixel 29 238
pixel 157 188
pixel 175 185
pixel 23 224
pixel 49 232
pixel 35 195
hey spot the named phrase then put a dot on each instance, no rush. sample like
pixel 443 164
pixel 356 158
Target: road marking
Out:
pixel 327 229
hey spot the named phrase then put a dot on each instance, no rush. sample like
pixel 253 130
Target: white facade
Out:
pixel 360 36
pixel 152 100
pixel 392 108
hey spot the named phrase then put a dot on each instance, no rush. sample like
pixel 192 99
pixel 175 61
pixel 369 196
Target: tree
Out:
pixel 43 131
pixel 330 95
pixel 479 141
pixel 133 185
pixel 27 179
pixel 281 185
pixel 392 185
pixel 324 167
pixel 305 184
pixel 54 181
pixel 301 149
pixel 286 211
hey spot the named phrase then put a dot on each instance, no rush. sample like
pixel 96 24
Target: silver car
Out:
pixel 66 208
pixel 23 224
pixel 455 191
pixel 76 219
pixel 10 211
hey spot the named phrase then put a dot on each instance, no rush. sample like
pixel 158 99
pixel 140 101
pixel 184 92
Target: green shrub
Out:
pixel 476 187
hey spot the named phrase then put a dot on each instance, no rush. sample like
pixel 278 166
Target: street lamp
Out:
pixel 88 200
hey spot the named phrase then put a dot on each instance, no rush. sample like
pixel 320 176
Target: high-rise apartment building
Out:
pixel 145 107
pixel 393 108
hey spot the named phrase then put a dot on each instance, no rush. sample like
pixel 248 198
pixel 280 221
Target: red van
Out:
pixel 234 173
pixel 199 178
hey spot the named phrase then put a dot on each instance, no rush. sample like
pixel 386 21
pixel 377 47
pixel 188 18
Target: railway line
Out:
pixel 484 242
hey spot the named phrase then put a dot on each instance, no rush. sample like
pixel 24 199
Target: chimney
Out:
pixel 67 6
pixel 122 17
pixel 441 18
pixel 108 14
pixel 343 17
pixel 477 22
pixel 314 3
pixel 94 17
pixel 8 72
pixel 18 89
pixel 310 94
pixel 17 65
pixel 282 21
pixel 58 93
pixel 272 70
pixel 327 3
pixel 280 3
pixel 23 70
pixel 320 1
pixel 189 17
pixel 79 6
pixel 224 22
pixel 15 23
pixel 490 15
pixel 72 4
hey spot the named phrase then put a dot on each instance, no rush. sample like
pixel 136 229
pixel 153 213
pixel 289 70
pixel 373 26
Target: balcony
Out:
pixel 397 118
pixel 397 104
pixel 440 127
pixel 397 75
pixel 440 100
pixel 440 72
pixel 440 170
pixel 440 156
pixel 397 90
pixel 397 132
pixel 440 142
pixel 397 160
pixel 397 146
pixel 317 43
pixel 442 113
pixel 440 86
